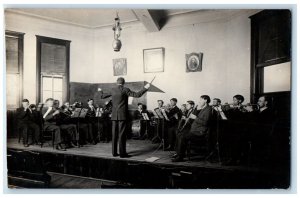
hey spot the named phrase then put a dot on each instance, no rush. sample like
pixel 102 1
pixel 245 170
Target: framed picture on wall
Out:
pixel 154 60
pixel 194 62
pixel 120 66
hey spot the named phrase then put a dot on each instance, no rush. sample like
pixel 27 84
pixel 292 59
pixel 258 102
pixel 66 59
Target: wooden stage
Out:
pixel 96 162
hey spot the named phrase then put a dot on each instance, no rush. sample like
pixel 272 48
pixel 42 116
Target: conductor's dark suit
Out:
pixel 120 95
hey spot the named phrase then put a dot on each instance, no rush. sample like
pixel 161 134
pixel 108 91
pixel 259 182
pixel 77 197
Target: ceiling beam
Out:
pixel 149 18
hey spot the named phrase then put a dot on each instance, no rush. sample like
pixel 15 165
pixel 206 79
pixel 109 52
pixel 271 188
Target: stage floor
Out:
pixel 140 150
pixel 96 162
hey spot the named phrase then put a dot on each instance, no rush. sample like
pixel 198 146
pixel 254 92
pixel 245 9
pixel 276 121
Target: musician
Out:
pixel 26 122
pixel 217 107
pixel 183 109
pixel 82 125
pixel 185 122
pixel 66 123
pixel 36 115
pixel 71 136
pixel 261 133
pixel 236 137
pixel 91 122
pixel 174 115
pixel 216 102
pixel 199 129
pixel 263 114
pixel 138 115
pixel 235 111
pixel 50 115
pixel 120 94
pixel 160 104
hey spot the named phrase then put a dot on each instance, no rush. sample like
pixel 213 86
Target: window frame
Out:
pixel 66 77
pixel 20 37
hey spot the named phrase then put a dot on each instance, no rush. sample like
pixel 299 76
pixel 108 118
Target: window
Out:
pixel 52 69
pixel 277 78
pixel 52 87
pixel 14 68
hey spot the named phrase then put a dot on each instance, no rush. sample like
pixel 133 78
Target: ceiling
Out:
pixel 89 17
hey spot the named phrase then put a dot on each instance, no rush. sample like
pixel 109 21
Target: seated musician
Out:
pixel 236 137
pixel 183 109
pixel 71 135
pixel 263 114
pixel 106 111
pixel 26 123
pixel 261 133
pixel 50 115
pixel 138 115
pixel 185 123
pixel 174 115
pixel 37 117
pixel 202 116
pixel 91 122
pixel 217 107
pixel 68 124
pixel 237 108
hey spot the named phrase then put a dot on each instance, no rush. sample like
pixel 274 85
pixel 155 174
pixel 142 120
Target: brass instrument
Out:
pixel 242 107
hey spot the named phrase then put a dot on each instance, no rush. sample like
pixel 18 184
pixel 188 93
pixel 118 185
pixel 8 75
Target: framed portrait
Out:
pixel 154 59
pixel 120 66
pixel 194 62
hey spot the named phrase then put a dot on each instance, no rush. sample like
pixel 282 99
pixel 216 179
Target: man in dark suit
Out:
pixel 174 115
pixel 120 95
pixel 50 115
pixel 202 116
pixel 26 122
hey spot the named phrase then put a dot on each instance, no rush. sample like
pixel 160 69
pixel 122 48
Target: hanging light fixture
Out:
pixel 117 33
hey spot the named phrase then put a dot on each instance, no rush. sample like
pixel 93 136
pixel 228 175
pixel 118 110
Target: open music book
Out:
pixel 79 113
pixel 145 116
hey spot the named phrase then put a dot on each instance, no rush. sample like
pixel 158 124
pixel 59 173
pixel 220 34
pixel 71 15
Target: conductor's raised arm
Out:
pixel 139 93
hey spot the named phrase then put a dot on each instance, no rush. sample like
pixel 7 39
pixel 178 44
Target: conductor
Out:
pixel 120 95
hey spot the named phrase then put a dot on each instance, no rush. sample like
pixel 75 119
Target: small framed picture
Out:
pixel 194 62
pixel 154 60
pixel 120 66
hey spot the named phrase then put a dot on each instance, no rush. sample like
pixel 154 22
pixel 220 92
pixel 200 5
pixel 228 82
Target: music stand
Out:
pixel 98 116
pixel 217 145
pixel 159 114
pixel 79 113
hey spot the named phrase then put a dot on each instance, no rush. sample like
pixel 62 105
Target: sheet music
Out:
pixel 130 99
pixel 83 113
pixel 151 159
pixel 76 113
pixel 145 116
pixel 164 114
pixel 155 114
pixel 159 113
